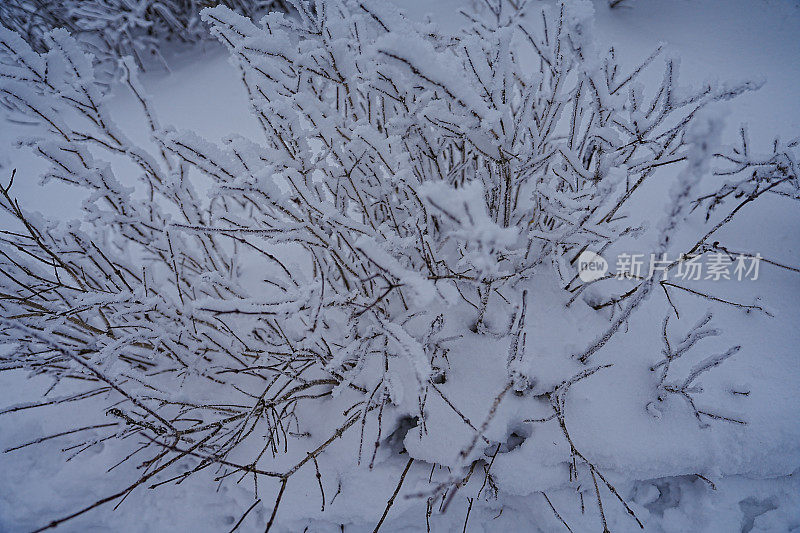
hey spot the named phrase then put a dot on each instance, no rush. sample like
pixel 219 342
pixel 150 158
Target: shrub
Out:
pixel 390 270
pixel 117 28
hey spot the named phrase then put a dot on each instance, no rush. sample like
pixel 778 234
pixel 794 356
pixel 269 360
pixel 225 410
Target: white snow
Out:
pixel 674 473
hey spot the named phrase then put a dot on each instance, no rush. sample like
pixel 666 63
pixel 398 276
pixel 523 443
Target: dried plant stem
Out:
pixel 390 502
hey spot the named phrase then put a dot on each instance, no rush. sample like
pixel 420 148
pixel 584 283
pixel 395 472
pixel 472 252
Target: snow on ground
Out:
pixel 752 480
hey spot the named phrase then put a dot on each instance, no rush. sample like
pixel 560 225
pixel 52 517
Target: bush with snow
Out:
pixel 387 280
pixel 116 28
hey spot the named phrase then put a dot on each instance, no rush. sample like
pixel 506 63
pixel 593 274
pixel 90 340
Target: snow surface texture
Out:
pixel 496 389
